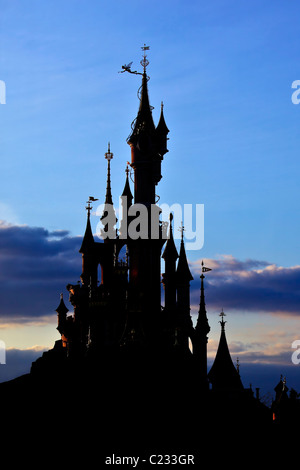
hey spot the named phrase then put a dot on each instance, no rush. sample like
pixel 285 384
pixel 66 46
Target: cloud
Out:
pixel 36 265
pixel 18 362
pixel 250 285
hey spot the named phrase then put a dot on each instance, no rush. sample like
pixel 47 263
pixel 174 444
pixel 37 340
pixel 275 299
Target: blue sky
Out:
pixel 224 71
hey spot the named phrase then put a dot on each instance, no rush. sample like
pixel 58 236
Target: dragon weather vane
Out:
pixel 144 62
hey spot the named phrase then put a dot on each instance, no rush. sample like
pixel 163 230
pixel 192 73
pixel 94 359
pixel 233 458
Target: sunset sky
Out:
pixel 224 71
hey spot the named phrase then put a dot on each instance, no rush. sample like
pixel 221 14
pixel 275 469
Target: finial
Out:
pixel 145 62
pixel 238 365
pixel 89 207
pixel 284 383
pixel 222 322
pixel 108 155
pixel 127 170
pixel 170 219
pixel 181 230
pixel 61 296
pixel 204 269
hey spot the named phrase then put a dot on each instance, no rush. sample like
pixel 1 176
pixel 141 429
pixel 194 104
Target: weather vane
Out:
pixel 89 207
pixel 222 314
pixel 144 62
pixel 181 230
pixel 204 269
pixel 108 155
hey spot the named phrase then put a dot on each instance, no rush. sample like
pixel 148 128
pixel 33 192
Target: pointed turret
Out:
pixel 183 271
pixel 281 407
pixel 127 191
pixel 87 249
pixel 161 132
pixel 88 239
pixel 108 217
pixel 200 336
pixel 202 326
pixel 223 375
pixel 281 390
pixel 170 256
pixel 62 311
pixel 183 278
pixel 170 251
pixel 126 201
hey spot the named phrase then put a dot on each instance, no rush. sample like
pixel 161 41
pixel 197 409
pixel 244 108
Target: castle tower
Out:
pixel 87 250
pixel 200 335
pixel 148 146
pixel 183 278
pixel 62 311
pixel 170 256
pixel 126 202
pixel 223 375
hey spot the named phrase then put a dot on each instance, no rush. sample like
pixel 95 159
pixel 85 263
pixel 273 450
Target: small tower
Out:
pixel 62 311
pixel 170 256
pixel 162 132
pixel 126 202
pixel 200 337
pixel 183 278
pixel 223 375
pixel 87 250
pixel 280 406
pixel 108 217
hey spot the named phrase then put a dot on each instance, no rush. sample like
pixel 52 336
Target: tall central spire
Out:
pixel 109 156
pixel 148 143
pixel 108 217
pixel 144 120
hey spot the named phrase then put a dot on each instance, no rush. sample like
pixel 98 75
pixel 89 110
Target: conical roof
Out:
pixel 161 127
pixel 223 375
pixel 62 309
pixel 127 191
pixel 170 251
pixel 183 271
pixel 88 239
pixel 202 326
pixel 144 119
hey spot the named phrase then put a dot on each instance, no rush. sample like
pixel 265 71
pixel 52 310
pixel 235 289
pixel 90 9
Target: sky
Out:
pixel 224 71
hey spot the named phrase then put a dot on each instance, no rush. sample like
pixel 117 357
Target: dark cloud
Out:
pixel 18 362
pixel 36 265
pixel 249 285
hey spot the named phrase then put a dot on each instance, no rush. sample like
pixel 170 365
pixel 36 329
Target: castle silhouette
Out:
pixel 124 361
